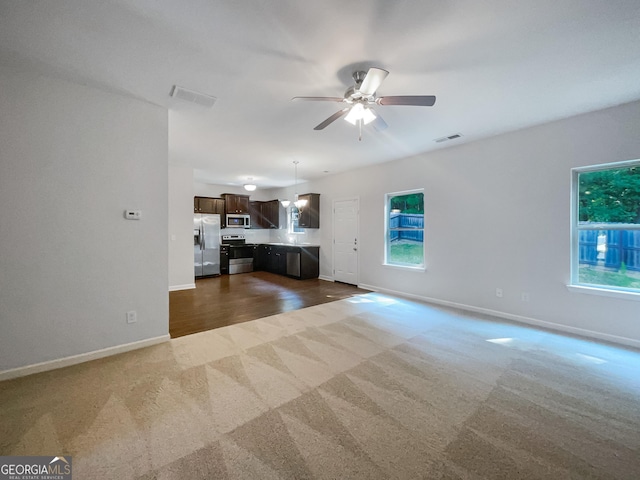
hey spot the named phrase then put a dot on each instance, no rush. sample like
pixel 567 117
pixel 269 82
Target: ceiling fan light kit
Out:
pixel 360 98
pixel 358 112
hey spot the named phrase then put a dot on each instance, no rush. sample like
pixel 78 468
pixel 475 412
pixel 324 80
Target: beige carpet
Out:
pixel 370 387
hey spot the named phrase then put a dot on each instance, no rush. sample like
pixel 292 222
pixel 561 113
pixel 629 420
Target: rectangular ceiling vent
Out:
pixel 193 97
pixel 446 139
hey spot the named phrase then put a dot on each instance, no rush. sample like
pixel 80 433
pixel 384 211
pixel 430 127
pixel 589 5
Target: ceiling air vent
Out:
pixel 446 139
pixel 193 97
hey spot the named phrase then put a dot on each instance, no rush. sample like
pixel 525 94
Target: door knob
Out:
pixel 355 249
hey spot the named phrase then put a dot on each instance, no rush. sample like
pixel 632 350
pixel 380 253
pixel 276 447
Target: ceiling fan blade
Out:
pixel 373 80
pixel 332 119
pixel 319 99
pixel 379 124
pixel 416 100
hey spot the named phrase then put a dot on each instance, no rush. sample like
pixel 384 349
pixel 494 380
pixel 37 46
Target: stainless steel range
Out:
pixel 238 252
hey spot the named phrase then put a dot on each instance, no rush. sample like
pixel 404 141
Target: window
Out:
pixel 606 227
pixel 404 242
pixel 294 215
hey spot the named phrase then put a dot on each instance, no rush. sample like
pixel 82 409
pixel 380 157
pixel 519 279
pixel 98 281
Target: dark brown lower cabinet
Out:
pixel 301 262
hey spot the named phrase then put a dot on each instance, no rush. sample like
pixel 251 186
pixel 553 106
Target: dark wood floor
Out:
pixel 229 299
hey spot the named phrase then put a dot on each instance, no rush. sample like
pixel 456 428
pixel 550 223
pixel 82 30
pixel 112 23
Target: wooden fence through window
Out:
pixel 406 226
pixel 622 246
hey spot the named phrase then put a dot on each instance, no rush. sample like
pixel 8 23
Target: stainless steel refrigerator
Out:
pixel 206 244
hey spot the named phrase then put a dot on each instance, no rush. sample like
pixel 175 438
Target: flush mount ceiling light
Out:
pixel 249 187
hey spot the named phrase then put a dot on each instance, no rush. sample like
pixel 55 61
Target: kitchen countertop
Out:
pixel 282 244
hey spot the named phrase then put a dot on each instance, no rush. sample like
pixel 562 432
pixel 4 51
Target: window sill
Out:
pixel 405 268
pixel 604 292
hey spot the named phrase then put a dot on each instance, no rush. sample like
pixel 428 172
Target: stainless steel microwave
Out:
pixel 235 220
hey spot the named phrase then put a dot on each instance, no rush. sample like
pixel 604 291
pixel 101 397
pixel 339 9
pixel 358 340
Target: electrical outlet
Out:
pixel 499 292
pixel 525 297
pixel 132 317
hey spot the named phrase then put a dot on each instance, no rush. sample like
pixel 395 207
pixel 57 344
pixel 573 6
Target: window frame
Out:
pixel 574 284
pixel 387 236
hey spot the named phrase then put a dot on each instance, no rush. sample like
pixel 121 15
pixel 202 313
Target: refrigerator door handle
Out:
pixel 201 239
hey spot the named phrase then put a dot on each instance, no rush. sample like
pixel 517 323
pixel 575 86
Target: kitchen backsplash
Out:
pixel 311 235
pixel 252 236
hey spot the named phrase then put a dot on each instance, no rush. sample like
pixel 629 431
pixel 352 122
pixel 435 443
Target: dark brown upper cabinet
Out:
pixel 236 203
pixel 269 214
pixel 309 217
pixel 208 205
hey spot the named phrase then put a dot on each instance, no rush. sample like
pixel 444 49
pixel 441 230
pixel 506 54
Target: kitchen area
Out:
pixel 252 259
pixel 234 234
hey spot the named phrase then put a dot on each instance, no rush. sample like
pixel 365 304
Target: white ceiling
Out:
pixel 494 65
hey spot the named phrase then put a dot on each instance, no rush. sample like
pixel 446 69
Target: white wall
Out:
pixel 72 159
pixel 497 215
pixel 180 227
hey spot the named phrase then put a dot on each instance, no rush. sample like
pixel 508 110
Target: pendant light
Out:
pixel 298 203
pixel 286 202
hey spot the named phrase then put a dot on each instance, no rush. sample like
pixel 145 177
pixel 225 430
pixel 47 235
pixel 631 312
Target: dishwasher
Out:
pixel 293 263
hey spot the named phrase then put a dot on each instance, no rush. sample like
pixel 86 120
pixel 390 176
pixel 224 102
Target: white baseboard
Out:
pixel 629 342
pixel 81 358
pixel 326 278
pixel 186 286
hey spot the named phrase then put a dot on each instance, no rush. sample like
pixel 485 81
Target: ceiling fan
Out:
pixel 360 98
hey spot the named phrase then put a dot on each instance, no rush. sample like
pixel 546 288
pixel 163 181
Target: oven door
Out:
pixel 240 259
pixel 240 251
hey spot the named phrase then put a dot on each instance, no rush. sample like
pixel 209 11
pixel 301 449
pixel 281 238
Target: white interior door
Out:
pixel 345 240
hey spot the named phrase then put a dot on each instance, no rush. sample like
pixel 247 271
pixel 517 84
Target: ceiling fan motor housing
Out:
pixel 351 94
pixel 358 77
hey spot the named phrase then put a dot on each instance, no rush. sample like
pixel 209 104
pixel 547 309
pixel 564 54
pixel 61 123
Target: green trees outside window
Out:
pixel 607 227
pixel 611 196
